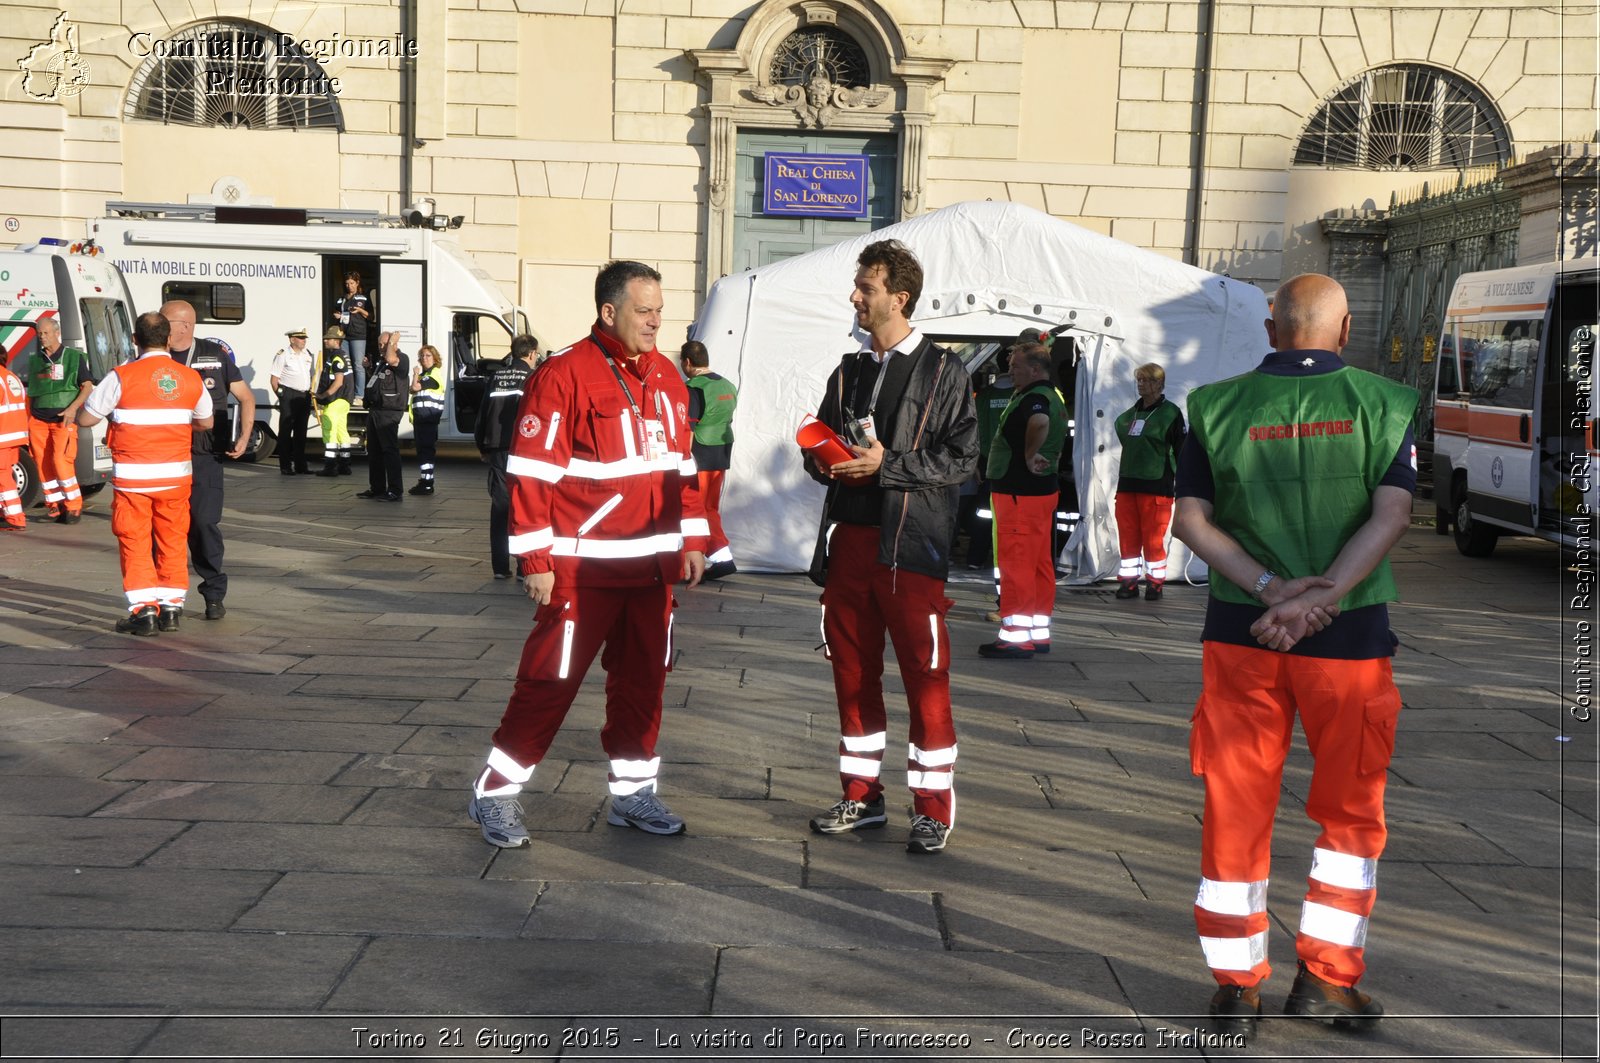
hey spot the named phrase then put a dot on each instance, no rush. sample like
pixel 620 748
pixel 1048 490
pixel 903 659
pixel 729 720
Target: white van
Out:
pixel 254 273
pixel 86 294
pixel 1514 445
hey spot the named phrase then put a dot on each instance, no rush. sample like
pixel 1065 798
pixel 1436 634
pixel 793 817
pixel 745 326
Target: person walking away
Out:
pixel 712 400
pixel 1151 432
pixel 155 407
pixel 605 516
pixel 427 410
pixel 59 379
pixel 220 373
pixel 1023 459
pixel 386 405
pixel 336 385
pixel 496 428
pixel 13 434
pixel 352 312
pixel 989 402
pixel 291 382
pixel 883 550
pixel 1294 483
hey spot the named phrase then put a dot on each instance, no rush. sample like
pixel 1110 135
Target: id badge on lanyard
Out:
pixel 1136 428
pixel 651 434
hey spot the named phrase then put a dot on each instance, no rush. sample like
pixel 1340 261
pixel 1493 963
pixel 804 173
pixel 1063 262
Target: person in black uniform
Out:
pixel 497 421
pixel 217 368
pixel 388 394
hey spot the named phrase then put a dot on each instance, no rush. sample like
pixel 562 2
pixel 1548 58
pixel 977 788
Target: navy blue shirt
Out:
pixel 1355 635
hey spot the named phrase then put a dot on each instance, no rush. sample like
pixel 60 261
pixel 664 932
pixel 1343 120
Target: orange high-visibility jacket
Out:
pixel 152 426
pixel 13 410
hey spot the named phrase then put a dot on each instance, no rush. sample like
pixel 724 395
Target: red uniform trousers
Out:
pixel 55 451
pixel 1242 728
pixel 1142 522
pixel 152 533
pixel 1024 527
pixel 861 601
pixel 635 624
pixel 10 498
pixel 711 493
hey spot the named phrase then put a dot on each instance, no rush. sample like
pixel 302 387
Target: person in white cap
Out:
pixel 291 384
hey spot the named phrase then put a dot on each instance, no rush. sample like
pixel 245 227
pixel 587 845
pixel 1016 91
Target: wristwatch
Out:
pixel 1261 583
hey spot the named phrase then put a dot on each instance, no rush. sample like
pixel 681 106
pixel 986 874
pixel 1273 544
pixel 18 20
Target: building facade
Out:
pixel 569 132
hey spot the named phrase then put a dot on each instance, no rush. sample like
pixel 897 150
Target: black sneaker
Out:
pixel 369 494
pixel 423 488
pixel 1326 1002
pixel 720 569
pixel 1128 590
pixel 1152 593
pixel 141 621
pixel 168 617
pixel 850 815
pixel 216 610
pixel 1007 651
pixel 1236 1010
pixel 928 835
pixel 69 518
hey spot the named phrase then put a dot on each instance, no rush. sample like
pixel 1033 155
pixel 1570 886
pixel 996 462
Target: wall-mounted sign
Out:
pixel 816 186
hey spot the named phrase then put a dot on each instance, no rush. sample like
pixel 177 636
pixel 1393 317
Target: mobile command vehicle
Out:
pixel 1514 446
pixel 86 294
pixel 253 273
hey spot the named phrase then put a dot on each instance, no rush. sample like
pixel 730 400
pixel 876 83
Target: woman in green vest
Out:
pixel 1152 434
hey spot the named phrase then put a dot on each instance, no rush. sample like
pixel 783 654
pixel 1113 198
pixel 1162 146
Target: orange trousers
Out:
pixel 711 494
pixel 152 533
pixel 10 500
pixel 55 451
pixel 1242 727
pixel 1024 527
pixel 1142 522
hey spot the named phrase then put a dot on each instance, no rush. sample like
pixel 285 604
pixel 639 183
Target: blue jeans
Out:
pixel 356 352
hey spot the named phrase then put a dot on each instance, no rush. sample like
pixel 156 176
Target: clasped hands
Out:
pixel 863 467
pixel 1296 610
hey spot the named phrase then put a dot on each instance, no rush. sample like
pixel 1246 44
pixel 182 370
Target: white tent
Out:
pixel 991 270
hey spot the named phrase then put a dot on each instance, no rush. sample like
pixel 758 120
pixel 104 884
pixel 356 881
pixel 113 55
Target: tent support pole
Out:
pixel 1197 147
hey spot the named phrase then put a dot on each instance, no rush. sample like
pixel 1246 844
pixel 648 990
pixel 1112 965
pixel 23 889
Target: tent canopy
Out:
pixel 990 270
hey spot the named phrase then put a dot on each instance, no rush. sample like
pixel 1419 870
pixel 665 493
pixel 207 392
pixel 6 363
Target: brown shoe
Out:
pixel 1312 998
pixel 1236 1010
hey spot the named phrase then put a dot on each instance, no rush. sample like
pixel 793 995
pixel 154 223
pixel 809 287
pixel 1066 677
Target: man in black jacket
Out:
pixel 884 549
pixel 386 399
pixel 497 422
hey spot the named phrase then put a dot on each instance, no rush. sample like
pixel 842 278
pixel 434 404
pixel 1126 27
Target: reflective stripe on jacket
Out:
pixel 152 426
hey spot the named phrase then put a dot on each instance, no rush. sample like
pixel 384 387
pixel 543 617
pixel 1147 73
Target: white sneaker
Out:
pixel 645 811
pixel 501 820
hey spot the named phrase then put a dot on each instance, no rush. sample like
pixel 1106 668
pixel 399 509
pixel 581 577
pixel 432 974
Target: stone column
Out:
pixel 1559 187
pixel 1355 259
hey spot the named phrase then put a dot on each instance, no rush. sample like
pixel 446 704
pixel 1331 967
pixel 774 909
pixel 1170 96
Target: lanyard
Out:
pixel 637 413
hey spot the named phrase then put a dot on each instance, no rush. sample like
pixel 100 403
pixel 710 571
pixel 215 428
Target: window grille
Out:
pixel 833 53
pixel 1405 117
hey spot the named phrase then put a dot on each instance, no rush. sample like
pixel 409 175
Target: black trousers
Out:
pixel 205 527
pixel 426 431
pixel 383 453
pixel 294 410
pixel 499 511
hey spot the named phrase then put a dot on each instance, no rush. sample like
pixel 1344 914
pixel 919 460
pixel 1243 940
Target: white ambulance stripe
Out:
pixel 1343 870
pixel 1232 898
pixel 550 436
pixel 499 791
pixel 528 542
pixel 1333 925
pixel 636 769
pixel 506 765
pixel 872 743
pixel 534 469
pixel 566 649
pixel 929 780
pixel 12 437
pixel 125 416
pixel 696 526
pixel 1234 954
pixel 932 758
pixel 666 543
pixel 861 767
pixel 155 470
pixel 933 626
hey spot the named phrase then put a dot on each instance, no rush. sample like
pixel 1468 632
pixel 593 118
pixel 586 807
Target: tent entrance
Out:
pixel 760 240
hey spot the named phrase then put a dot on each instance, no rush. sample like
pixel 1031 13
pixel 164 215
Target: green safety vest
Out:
pixel 47 394
pixel 1147 456
pixel 991 403
pixel 718 396
pixel 1000 450
pixel 1295 460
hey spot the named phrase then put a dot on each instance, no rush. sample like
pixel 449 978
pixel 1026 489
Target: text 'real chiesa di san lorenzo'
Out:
pixel 1257 139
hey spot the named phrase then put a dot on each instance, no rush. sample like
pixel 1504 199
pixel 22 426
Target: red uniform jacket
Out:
pixel 603 489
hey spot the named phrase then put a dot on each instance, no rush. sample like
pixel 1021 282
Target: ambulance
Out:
pixel 85 292
pixel 252 273
pixel 1514 420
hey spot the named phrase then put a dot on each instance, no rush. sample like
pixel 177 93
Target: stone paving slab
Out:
pixel 128 898
pixel 30 721
pixel 320 847
pixel 21 759
pixel 297 707
pixel 231 765
pixel 397 807
pixel 188 732
pixel 621 855
pixel 52 840
pixel 303 902
pixel 65 795
pixel 236 802
pixel 107 1035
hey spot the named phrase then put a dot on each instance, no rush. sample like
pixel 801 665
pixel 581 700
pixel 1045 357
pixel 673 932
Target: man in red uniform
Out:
pixel 13 433
pixel 155 405
pixel 883 552
pixel 1303 467
pixel 605 516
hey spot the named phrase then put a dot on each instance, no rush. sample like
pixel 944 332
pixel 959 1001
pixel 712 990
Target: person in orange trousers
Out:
pixel 13 433
pixel 154 405
pixel 58 379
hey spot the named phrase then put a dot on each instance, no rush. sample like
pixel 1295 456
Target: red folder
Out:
pixel 829 447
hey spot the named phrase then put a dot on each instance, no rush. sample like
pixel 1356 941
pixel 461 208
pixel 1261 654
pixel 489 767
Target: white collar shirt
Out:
pixel 912 341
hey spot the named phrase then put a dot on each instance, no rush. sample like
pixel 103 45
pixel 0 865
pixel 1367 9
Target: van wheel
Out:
pixel 263 444
pixel 1473 539
pixel 27 474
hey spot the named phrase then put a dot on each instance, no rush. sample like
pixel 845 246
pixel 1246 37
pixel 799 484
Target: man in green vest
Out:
pixel 59 380
pixel 1294 483
pixel 712 400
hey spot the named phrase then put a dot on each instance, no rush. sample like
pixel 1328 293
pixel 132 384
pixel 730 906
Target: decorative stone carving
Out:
pixel 819 101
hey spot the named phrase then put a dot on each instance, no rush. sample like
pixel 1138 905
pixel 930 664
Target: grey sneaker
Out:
pixel 645 811
pixel 501 820
pixel 850 815
pixel 928 835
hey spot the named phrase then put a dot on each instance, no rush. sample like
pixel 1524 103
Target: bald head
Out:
pixel 1309 312
pixel 180 316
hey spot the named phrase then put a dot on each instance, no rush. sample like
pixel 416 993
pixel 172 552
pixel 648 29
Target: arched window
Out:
pixel 1405 117
pixel 233 74
pixel 823 50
